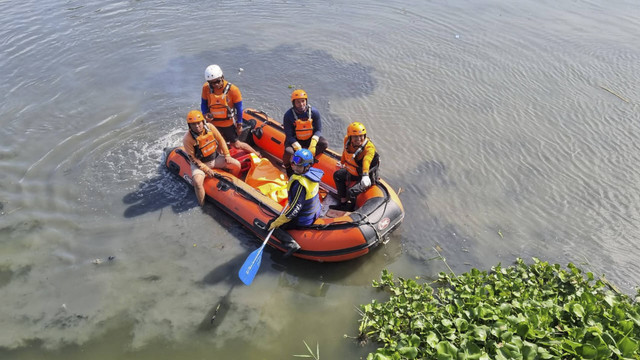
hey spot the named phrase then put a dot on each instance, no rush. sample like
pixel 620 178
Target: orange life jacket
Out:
pixel 303 125
pixel 223 114
pixel 353 162
pixel 206 146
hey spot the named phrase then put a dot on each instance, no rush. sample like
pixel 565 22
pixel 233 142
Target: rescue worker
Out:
pixel 303 206
pixel 303 129
pixel 359 163
pixel 204 143
pixel 221 103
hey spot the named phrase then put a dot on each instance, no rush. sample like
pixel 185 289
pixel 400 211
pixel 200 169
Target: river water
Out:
pixel 510 126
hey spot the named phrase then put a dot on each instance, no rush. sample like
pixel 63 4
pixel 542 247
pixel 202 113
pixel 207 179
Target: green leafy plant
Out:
pixel 315 356
pixel 537 311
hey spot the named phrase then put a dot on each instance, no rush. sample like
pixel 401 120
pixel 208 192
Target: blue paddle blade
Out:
pixel 250 267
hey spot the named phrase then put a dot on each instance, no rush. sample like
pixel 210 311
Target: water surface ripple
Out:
pixel 510 128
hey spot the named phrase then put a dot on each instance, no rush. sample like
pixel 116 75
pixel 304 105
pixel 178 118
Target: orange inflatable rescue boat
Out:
pixel 259 195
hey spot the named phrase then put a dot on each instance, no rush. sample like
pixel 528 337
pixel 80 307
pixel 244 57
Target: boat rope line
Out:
pixel 373 224
pixel 269 211
pixel 266 121
pixel 242 192
pixel 265 118
pixel 364 220
pixel 236 189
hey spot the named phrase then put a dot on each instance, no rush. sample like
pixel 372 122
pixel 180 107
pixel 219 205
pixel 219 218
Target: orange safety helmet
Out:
pixel 298 94
pixel 355 129
pixel 194 116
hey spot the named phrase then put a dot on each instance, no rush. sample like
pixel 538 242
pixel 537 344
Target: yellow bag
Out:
pixel 268 179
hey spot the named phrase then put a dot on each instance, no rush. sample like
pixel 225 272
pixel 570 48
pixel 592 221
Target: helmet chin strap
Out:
pixel 366 140
pixel 304 169
pixel 305 109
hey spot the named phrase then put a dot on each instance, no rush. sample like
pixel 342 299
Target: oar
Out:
pixel 250 267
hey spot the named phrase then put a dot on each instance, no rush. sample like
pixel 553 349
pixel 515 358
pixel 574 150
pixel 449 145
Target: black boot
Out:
pixel 355 190
pixel 293 246
pixel 345 206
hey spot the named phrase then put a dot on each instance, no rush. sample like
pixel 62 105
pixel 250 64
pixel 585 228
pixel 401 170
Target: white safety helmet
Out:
pixel 212 72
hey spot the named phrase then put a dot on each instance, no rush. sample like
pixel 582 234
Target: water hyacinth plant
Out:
pixel 537 311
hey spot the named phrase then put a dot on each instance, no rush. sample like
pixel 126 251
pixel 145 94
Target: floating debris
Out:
pixel 99 261
pixel 611 91
pixel 215 312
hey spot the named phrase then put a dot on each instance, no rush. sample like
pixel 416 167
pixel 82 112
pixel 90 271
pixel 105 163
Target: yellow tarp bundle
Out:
pixel 268 179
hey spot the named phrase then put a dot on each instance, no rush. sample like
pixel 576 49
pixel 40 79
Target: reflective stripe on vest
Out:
pixel 223 115
pixel 303 126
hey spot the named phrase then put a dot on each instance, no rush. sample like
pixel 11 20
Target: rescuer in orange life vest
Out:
pixel 221 103
pixel 303 129
pixel 359 163
pixel 204 143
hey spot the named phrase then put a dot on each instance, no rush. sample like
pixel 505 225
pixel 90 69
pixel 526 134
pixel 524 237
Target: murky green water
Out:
pixel 511 127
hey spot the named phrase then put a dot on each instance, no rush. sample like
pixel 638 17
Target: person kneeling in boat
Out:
pixel 203 143
pixel 303 206
pixel 303 129
pixel 359 163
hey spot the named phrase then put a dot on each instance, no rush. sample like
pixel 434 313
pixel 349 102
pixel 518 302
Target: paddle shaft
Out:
pixel 250 267
pixel 266 240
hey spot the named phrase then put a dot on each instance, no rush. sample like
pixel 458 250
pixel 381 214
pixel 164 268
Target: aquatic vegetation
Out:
pixel 537 311
pixel 315 356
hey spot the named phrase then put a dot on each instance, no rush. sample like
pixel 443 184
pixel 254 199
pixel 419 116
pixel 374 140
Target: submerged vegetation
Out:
pixel 537 311
pixel 315 356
